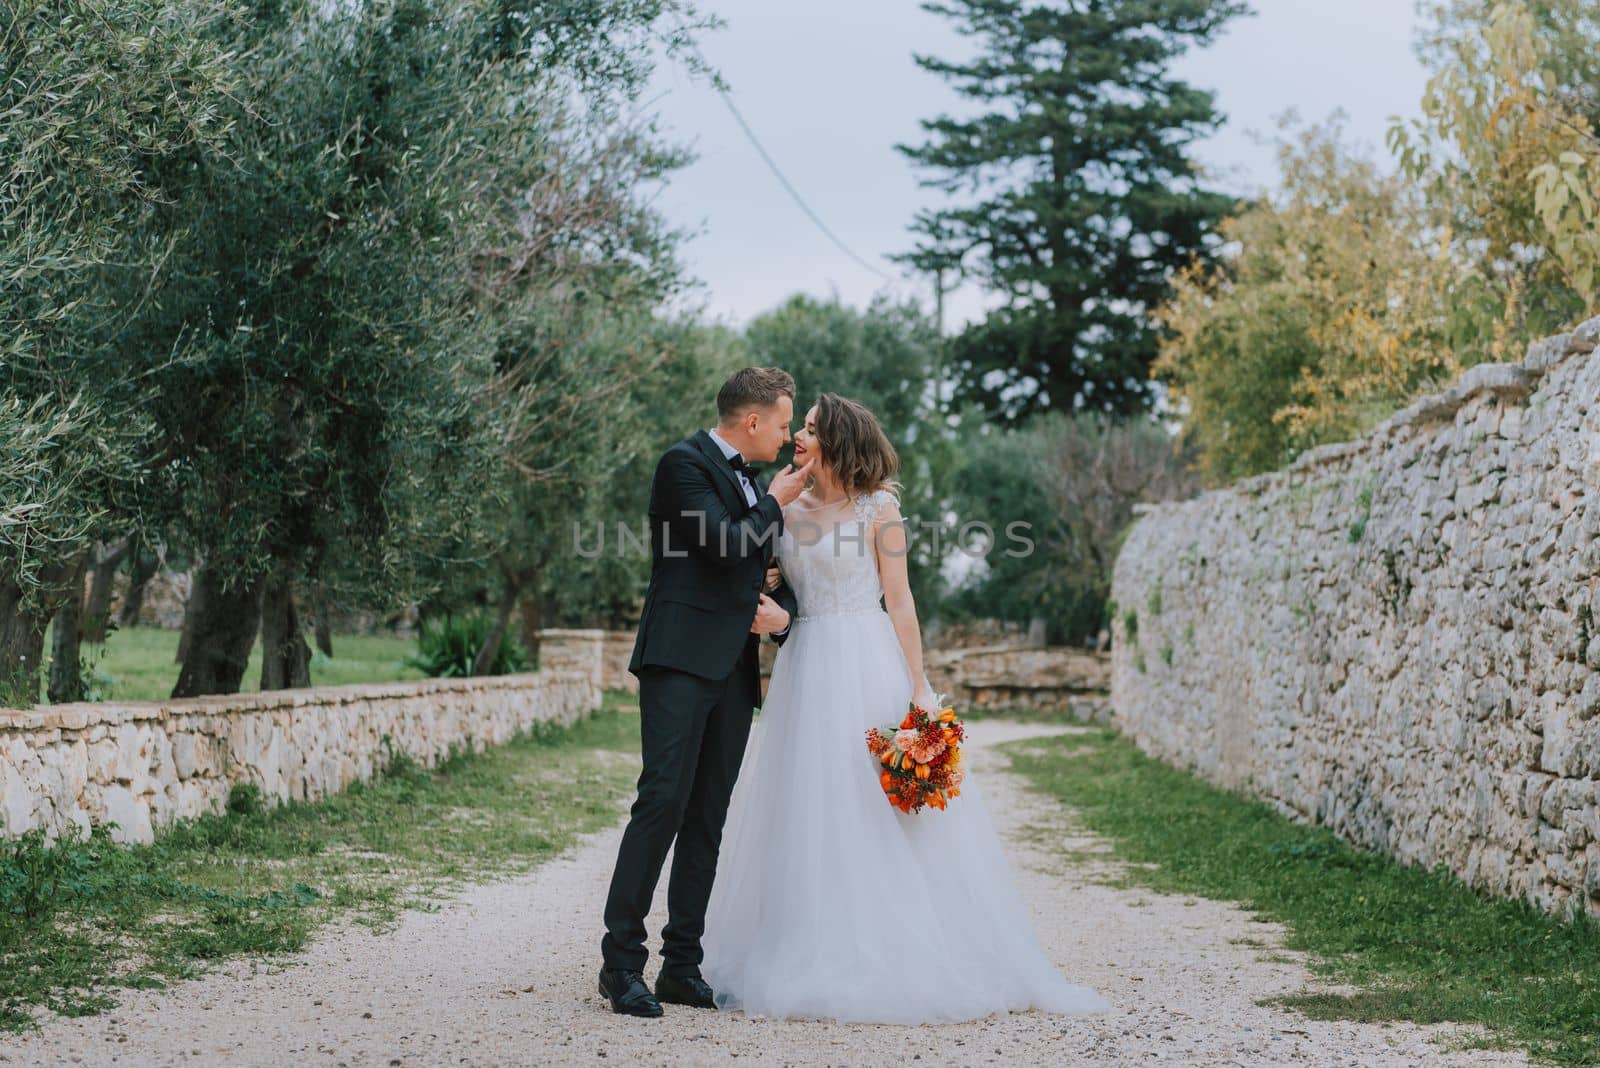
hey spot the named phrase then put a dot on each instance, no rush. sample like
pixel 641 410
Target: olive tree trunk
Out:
pixel 24 620
pixel 219 625
pixel 533 616
pixel 145 566
pixel 483 663
pixel 66 646
pixel 103 574
pixel 321 623
pixel 21 649
pixel 512 583
pixel 285 656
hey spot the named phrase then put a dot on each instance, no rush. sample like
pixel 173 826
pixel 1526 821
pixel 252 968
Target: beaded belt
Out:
pixel 842 612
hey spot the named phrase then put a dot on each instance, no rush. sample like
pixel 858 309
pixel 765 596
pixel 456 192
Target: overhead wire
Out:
pixel 789 187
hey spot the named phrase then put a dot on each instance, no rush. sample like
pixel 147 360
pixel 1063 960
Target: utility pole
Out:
pixel 941 367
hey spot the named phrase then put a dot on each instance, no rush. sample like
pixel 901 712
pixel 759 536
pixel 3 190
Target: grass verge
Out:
pixel 1420 945
pixel 139 663
pixel 81 920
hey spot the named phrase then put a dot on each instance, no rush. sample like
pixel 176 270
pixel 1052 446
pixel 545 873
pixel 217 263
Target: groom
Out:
pixel 712 532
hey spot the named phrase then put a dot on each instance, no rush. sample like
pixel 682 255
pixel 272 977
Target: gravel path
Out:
pixel 505 974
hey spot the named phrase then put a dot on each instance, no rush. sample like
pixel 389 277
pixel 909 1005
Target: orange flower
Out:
pixel 887 780
pixel 922 771
pixel 924 751
pixel 909 722
pixel 888 755
pixel 948 716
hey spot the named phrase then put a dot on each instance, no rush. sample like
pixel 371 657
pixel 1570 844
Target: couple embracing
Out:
pixel 827 902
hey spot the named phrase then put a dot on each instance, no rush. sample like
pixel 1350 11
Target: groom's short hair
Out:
pixel 751 387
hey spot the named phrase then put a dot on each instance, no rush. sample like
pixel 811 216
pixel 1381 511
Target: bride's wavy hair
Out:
pixel 855 446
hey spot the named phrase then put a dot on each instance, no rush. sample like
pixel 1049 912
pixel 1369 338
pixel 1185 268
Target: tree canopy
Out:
pixel 1074 193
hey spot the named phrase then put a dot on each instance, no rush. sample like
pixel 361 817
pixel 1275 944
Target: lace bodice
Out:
pixel 832 565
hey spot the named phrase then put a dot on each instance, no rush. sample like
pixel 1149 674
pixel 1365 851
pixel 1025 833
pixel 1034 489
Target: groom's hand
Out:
pixel 787 484
pixel 770 617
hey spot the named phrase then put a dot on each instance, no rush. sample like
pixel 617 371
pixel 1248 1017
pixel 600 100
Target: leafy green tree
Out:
pixel 576 435
pixel 94 94
pixel 1564 36
pixel 1070 483
pixel 318 354
pixel 1339 299
pixel 1083 198
pixel 1507 144
pixel 571 293
pixel 883 356
pixel 596 576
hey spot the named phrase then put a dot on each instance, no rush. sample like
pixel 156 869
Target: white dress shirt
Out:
pixel 730 452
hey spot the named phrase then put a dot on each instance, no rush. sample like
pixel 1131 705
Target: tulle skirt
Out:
pixel 830 904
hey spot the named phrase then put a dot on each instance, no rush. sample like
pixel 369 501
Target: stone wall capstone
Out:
pixel 142 765
pixel 1396 637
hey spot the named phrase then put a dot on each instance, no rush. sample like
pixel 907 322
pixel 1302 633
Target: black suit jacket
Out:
pixel 709 552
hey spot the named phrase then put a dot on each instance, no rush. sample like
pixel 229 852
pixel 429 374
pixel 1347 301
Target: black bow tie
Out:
pixel 737 462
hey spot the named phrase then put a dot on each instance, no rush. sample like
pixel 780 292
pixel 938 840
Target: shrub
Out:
pixel 244 799
pixel 447 647
pixel 36 874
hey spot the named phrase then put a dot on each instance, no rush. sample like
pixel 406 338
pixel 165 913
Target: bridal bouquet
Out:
pixel 921 759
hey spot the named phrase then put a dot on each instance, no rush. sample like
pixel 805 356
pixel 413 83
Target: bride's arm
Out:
pixel 893 543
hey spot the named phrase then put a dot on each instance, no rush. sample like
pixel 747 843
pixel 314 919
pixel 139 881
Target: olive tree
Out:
pixel 94 94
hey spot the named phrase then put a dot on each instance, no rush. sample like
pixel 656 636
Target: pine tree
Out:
pixel 1087 198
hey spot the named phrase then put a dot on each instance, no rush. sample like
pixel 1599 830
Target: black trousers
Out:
pixel 693 732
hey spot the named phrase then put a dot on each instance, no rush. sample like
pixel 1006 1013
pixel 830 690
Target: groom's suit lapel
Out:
pixel 732 490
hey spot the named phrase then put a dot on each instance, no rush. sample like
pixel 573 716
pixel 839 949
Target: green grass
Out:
pixel 1421 945
pixel 137 664
pixel 1358 526
pixel 81 921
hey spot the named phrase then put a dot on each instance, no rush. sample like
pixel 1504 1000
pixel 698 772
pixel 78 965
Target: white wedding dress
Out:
pixel 828 903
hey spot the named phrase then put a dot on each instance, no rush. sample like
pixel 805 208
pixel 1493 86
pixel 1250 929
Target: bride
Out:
pixel 828 903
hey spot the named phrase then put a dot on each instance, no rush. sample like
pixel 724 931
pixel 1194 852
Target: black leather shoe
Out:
pixel 628 994
pixel 688 990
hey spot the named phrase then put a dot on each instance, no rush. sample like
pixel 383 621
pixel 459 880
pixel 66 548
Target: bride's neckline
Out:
pixel 824 506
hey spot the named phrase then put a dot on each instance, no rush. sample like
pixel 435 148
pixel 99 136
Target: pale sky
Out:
pixel 829 87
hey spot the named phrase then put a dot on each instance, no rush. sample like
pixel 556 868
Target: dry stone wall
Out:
pixel 1397 637
pixel 142 765
pixel 1016 675
pixel 1005 675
